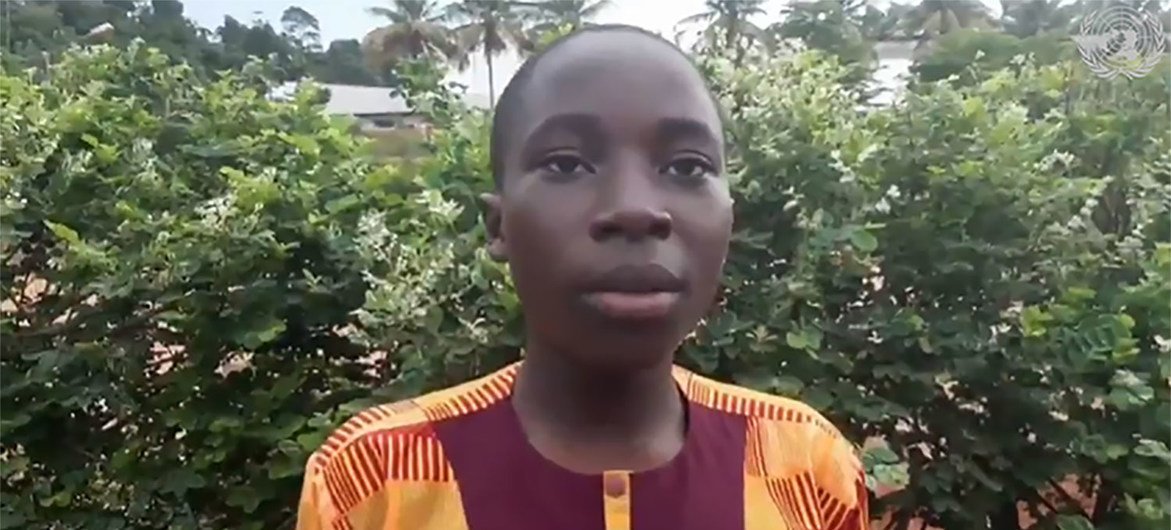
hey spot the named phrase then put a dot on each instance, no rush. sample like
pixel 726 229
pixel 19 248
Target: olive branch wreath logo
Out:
pixel 1121 40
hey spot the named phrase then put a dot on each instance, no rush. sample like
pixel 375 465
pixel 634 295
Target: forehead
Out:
pixel 620 77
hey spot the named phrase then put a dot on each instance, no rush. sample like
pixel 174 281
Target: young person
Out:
pixel 613 214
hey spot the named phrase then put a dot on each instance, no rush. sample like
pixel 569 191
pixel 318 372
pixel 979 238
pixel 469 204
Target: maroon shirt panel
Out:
pixel 704 488
pixel 500 487
pixel 505 484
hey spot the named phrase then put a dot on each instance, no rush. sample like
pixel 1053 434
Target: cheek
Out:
pixel 709 229
pixel 537 237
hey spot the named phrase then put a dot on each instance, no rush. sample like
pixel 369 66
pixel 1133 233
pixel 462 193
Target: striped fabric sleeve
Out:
pixel 849 507
pixel 856 517
pixel 314 509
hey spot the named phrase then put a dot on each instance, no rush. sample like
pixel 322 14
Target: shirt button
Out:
pixel 615 486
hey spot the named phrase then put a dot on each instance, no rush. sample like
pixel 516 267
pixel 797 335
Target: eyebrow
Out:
pixel 672 129
pixel 587 126
pixel 590 129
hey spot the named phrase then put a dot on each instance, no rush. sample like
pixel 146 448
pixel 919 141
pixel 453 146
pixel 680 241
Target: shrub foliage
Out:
pixel 200 282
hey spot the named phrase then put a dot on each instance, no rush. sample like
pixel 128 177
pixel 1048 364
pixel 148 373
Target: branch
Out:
pixel 1038 496
pixel 79 319
pixel 1068 498
pixel 1049 505
pixel 1103 503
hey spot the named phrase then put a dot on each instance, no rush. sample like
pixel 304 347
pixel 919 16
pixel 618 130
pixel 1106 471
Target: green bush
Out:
pixel 954 53
pixel 183 265
pixel 199 283
pixel 966 277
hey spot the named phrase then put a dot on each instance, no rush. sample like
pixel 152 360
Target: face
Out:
pixel 614 213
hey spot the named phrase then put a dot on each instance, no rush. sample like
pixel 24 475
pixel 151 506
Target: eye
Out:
pixel 565 164
pixel 691 168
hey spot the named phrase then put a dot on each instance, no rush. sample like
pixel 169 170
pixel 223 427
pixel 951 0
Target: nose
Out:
pixel 633 211
pixel 632 224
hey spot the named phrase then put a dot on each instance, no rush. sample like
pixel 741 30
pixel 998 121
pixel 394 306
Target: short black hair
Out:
pixel 510 98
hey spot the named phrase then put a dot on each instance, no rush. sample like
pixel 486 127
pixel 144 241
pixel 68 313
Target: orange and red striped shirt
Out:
pixel 457 459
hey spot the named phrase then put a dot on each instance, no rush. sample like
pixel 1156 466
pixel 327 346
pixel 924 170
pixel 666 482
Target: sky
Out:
pixel 348 19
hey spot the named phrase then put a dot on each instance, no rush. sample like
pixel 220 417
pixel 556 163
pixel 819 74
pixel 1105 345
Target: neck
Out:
pixel 575 401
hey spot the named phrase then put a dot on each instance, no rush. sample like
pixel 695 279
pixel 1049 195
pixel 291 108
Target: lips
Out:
pixel 635 292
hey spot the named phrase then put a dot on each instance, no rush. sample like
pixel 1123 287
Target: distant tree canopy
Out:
pixel 956 52
pixel 949 35
pixel 36 28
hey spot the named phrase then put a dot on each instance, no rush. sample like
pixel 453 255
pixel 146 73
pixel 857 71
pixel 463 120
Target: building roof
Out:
pixel 358 100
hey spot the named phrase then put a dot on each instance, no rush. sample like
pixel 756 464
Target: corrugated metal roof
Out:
pixel 358 100
pixel 363 100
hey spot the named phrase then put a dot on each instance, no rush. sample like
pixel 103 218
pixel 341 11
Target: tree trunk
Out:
pixel 491 80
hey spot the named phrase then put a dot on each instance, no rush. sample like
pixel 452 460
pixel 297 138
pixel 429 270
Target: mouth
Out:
pixel 635 292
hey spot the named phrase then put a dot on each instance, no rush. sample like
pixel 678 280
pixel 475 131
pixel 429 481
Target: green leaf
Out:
pixel 284 467
pixel 1073 522
pixel 1034 321
pixel 863 240
pixel 12 520
pixel 813 338
pixel 319 421
pixel 286 385
pixel 177 482
pixel 310 441
pixel 225 424
pixel 64 233
pixel 342 203
pixel 788 385
pixel 1154 449
pixel 796 341
pixel 268 332
pixel 880 454
pixel 47 361
pixel 243 497
pixel 289 448
pixel 817 398
pixel 305 144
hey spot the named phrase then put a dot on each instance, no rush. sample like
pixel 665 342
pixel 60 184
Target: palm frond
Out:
pixel 706 16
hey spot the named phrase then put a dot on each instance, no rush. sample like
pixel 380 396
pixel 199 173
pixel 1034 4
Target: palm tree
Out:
pixel 1025 18
pixel 823 24
pixel 833 26
pixel 937 17
pixel 574 14
pixel 727 20
pixel 490 27
pixel 880 25
pixel 416 31
pixel 932 18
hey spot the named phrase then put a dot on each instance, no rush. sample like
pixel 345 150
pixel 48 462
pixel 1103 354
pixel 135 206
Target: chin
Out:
pixel 627 350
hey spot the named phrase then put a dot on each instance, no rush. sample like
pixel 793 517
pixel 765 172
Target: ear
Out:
pixel 493 218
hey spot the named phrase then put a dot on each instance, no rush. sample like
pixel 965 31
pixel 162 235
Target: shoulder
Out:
pixel 786 439
pixel 398 440
pixel 753 404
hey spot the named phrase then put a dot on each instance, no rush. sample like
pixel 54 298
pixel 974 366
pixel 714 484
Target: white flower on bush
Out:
pixel 1053 160
pixel 414 265
pixel 447 211
pixel 215 211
